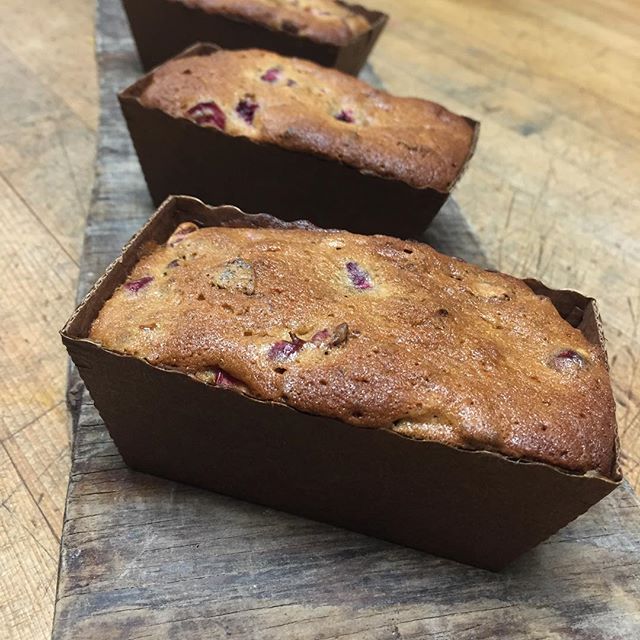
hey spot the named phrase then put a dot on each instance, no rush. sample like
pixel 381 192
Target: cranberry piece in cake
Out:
pixel 208 113
pixel 359 277
pixel 134 286
pixel 320 337
pixel 247 108
pixel 567 359
pixel 271 75
pixel 284 349
pixel 225 379
pixel 345 115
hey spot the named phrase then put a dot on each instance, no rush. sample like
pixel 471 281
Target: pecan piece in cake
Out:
pixel 328 339
pixel 238 275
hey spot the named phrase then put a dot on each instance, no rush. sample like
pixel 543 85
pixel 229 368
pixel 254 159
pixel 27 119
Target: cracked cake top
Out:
pixel 301 106
pixel 373 331
pixel 325 21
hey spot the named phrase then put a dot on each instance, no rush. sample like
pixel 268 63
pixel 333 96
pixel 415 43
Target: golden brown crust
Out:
pixel 301 106
pixel 373 331
pixel 324 21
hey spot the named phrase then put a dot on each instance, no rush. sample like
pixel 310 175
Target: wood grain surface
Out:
pixel 147 558
pixel 48 118
pixel 553 193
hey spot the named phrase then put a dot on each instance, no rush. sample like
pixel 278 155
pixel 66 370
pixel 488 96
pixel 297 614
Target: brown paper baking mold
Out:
pixel 163 28
pixel 477 507
pixel 179 156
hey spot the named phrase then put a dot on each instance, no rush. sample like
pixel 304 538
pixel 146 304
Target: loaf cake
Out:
pixel 297 105
pixel 320 20
pixel 373 331
pixel 332 33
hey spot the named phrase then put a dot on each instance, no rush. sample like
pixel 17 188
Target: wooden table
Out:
pixel 555 92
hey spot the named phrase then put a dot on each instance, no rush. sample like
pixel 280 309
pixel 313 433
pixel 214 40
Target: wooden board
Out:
pixel 146 558
pixel 48 121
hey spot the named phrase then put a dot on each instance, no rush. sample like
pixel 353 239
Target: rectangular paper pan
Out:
pixel 179 156
pixel 476 507
pixel 163 28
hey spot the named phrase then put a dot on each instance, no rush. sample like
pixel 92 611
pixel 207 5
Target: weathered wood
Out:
pixel 146 558
pixel 47 128
pixel 553 193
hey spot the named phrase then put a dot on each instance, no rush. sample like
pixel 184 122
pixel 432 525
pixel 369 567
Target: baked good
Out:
pixel 373 331
pixel 332 33
pixel 313 143
pixel 319 20
pixel 303 107
pixel 302 369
